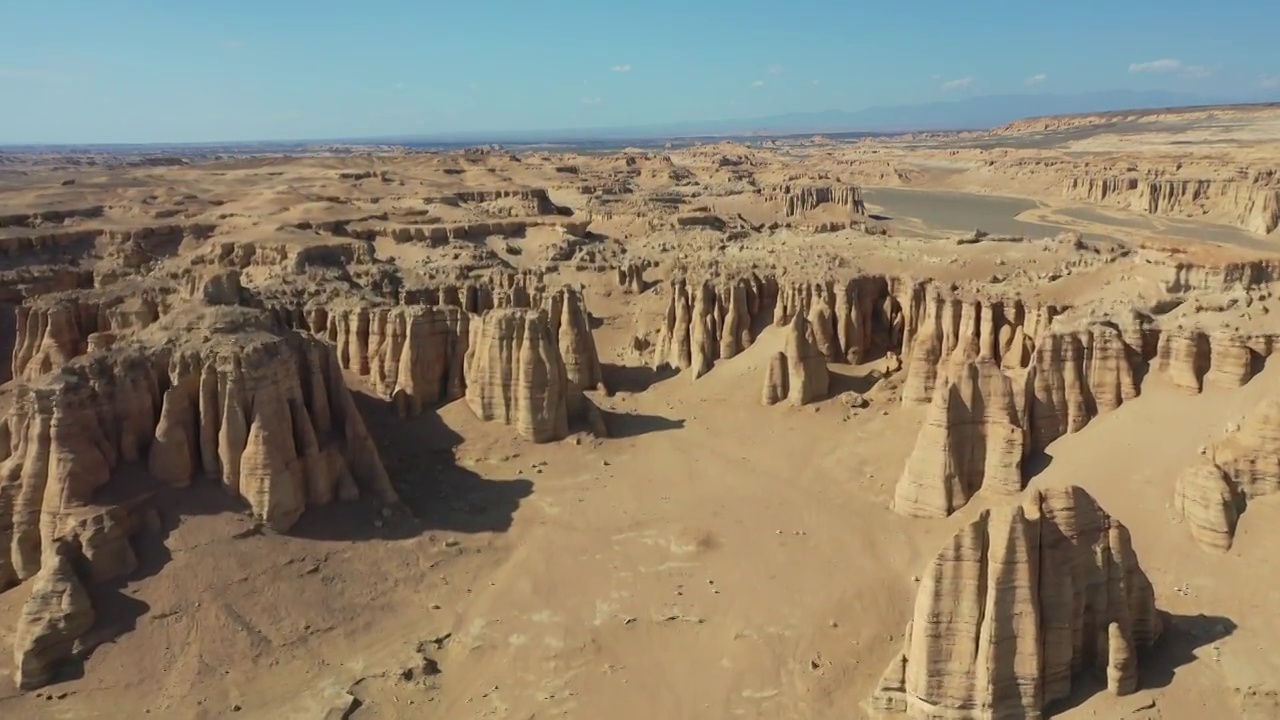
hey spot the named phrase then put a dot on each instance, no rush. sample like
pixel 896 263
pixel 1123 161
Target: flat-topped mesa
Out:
pixel 1252 203
pixel 1015 606
pixel 973 438
pixel 515 374
pixel 1239 469
pixel 798 374
pixel 800 198
pixel 533 201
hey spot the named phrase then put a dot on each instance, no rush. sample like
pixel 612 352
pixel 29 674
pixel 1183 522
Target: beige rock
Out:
pixel 1205 498
pixel 972 438
pixel 776 388
pixel 1016 603
pixel 57 613
pixel 515 375
pixel 807 376
pixel 1183 356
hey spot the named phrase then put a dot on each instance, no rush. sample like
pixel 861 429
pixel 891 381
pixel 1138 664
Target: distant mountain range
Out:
pixel 979 113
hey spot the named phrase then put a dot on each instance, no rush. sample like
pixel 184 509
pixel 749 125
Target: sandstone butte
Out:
pixel 1242 467
pixel 294 339
pixel 1017 604
pixel 249 400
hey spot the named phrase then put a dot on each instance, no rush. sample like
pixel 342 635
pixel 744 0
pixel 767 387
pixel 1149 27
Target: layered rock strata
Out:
pixel 515 374
pixel 1252 202
pixel 1244 466
pixel 1015 606
pixel 263 412
pixel 972 438
pixel 798 374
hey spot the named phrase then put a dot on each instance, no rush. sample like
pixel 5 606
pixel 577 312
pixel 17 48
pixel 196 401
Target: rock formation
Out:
pixel 515 374
pixel 798 374
pixel 1252 202
pixel 265 413
pixel 1244 466
pixel 412 355
pixel 1015 605
pixel 569 321
pixel 262 411
pixel 55 616
pixel 631 278
pixel 972 438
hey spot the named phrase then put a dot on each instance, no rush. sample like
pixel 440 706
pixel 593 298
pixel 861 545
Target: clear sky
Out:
pixel 197 70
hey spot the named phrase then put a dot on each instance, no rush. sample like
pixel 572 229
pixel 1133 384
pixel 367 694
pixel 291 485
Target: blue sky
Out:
pixel 189 70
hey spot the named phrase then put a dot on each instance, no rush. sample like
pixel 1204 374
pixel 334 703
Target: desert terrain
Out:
pixel 964 426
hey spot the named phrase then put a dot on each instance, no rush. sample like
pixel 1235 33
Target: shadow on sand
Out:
pixel 437 493
pixel 1182 636
pixel 626 425
pixel 633 379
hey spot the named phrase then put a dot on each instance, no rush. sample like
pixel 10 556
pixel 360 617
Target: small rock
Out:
pixel 452 542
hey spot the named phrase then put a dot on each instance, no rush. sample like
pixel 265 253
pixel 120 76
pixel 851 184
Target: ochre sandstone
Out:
pixel 1018 603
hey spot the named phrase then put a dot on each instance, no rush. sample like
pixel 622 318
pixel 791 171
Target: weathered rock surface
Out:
pixel 264 412
pixel 1244 466
pixel 808 379
pixel 1206 499
pixel 56 614
pixel 972 438
pixel 515 374
pixel 1015 605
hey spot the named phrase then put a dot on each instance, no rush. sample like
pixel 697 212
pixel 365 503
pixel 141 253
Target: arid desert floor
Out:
pixel 929 426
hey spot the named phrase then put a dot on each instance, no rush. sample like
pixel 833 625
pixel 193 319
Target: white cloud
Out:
pixel 957 84
pixel 815 83
pixel 1036 79
pixel 774 69
pixel 1269 83
pixel 398 87
pixel 758 83
pixel 592 100
pixel 233 44
pixel 1167 65
pixel 621 68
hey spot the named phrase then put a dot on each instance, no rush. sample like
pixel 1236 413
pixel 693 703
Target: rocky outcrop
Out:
pixel 411 355
pixel 53 329
pixel 1207 500
pixel 973 438
pixel 1244 466
pixel 799 198
pixel 210 392
pixel 1252 203
pixel 798 374
pixel 1015 605
pixel 631 278
pixel 705 322
pixel 56 614
pixel 266 413
pixel 515 374
pixel 568 315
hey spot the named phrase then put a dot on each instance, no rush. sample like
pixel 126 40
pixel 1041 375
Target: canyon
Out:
pixel 694 432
